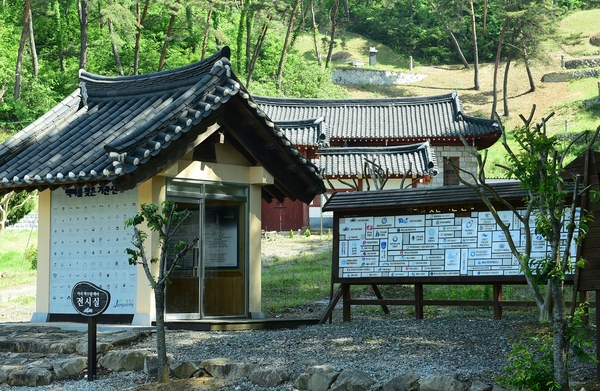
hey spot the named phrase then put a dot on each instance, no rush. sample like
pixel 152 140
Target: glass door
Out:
pixel 183 291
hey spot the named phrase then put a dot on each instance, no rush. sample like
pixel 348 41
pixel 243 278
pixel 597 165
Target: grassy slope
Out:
pixel 565 99
pixel 14 268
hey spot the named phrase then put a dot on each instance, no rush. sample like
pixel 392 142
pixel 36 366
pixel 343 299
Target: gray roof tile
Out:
pixel 399 120
pixel 139 118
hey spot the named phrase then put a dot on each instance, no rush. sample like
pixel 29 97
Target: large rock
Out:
pixel 228 369
pixel 184 369
pixel 478 385
pixel 5 371
pixel 352 380
pixel 151 364
pixel 68 366
pixel 405 382
pixel 595 39
pixel 30 376
pixel 268 378
pixel 441 383
pixel 124 360
pixel 316 378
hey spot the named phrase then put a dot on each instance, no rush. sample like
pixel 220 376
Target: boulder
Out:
pixel 595 39
pixel 478 385
pixel 352 380
pixel 228 369
pixel 151 363
pixel 184 369
pixel 268 378
pixel 405 382
pixel 30 376
pixel 68 366
pixel 124 360
pixel 441 383
pixel 316 378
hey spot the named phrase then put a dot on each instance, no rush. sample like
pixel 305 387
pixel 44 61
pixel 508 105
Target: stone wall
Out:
pixel 368 76
pixel 467 161
pixel 583 63
pixel 558 77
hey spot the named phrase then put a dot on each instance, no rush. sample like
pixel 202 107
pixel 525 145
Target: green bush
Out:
pixel 31 255
pixel 291 233
pixel 530 364
pixel 307 233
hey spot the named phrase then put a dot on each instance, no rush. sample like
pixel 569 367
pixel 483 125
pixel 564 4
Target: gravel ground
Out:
pixel 465 342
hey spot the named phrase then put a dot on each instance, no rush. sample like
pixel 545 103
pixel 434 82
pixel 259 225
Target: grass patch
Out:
pixel 15 269
pixel 296 280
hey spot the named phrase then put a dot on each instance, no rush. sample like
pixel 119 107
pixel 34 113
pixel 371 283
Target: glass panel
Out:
pixel 183 293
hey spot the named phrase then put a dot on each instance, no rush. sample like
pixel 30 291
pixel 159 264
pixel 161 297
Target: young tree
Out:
pixel 165 222
pixel 551 202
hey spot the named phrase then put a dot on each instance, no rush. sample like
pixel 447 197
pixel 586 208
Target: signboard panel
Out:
pixel 87 243
pixel 431 245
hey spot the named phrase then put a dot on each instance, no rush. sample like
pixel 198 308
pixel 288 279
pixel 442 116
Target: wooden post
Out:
pixel 497 298
pixel 384 307
pixel 346 302
pixel 419 301
pixel 597 336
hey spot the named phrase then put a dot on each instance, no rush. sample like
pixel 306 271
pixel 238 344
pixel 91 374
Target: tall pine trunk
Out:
pixel 34 56
pixel 475 50
pixel 334 12
pixel 496 66
pixel 140 19
pixel 115 50
pixel 82 7
pixel 451 34
pixel 286 43
pixel 315 30
pixel 24 34
pixel 163 52
pixel 205 39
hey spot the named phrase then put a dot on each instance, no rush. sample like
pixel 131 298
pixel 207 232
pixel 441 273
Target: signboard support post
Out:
pixel 92 333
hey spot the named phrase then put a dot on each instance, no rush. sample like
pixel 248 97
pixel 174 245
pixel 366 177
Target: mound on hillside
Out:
pixel 344 56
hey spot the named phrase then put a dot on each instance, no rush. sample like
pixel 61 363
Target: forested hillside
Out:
pixel 43 43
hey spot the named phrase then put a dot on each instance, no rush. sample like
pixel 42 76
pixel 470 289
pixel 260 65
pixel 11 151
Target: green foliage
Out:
pixel 530 364
pixel 19 205
pixel 31 256
pixel 307 233
pixel 580 337
pixel 291 234
pixel 13 245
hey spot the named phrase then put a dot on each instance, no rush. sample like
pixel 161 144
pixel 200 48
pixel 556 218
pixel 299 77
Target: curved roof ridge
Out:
pixel 375 150
pixel 355 101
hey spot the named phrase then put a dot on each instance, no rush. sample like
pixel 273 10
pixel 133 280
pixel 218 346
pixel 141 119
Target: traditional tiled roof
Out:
pixel 440 119
pixel 400 161
pixel 125 130
pixel 386 200
pixel 309 132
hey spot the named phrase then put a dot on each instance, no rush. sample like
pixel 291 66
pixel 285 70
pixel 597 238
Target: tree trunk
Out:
pixel 237 53
pixel 138 35
pixel 163 52
pixel 505 84
pixel 82 7
pixel 248 56
pixel 257 49
pixel 162 374
pixel 60 37
pixel 115 51
pixel 4 200
pixel 285 44
pixel 559 344
pixel 334 11
pixel 452 37
pixel 496 66
pixel 475 51
pixel 529 74
pixel 315 32
pixel 24 32
pixel 205 39
pixel 34 56
pixel 347 9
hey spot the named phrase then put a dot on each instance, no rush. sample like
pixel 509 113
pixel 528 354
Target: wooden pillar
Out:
pixel 497 299
pixel 419 301
pixel 346 302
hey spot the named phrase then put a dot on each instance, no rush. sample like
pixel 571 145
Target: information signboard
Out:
pixel 433 245
pixel 89 299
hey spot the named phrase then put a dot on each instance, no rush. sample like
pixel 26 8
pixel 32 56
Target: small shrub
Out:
pixel 291 233
pixel 31 255
pixel 307 233
pixel 530 364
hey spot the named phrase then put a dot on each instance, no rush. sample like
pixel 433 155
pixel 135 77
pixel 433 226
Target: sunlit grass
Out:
pixel 15 269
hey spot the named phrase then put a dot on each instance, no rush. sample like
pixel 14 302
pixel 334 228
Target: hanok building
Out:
pixel 412 140
pixel 192 135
